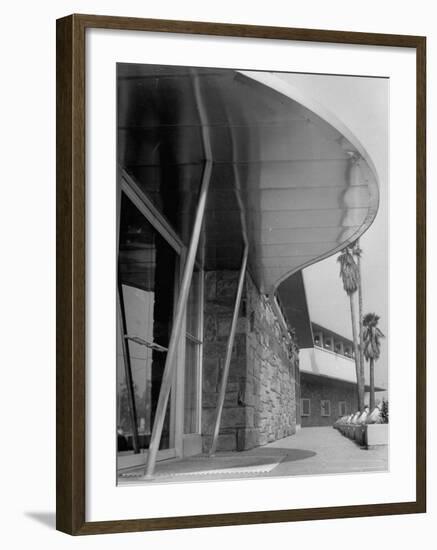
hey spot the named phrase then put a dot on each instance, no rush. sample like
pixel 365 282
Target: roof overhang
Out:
pixel 287 176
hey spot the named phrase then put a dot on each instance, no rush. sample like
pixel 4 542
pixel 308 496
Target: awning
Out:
pixel 299 186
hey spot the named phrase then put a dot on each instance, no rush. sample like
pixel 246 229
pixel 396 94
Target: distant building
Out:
pixel 327 378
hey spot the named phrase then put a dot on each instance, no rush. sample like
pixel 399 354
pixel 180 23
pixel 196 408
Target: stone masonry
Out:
pixel 260 404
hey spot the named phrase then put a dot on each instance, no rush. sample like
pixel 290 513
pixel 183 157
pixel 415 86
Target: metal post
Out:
pixel 230 345
pixel 224 380
pixel 128 370
pixel 170 362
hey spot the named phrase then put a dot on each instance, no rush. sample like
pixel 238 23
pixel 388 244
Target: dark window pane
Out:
pixel 146 265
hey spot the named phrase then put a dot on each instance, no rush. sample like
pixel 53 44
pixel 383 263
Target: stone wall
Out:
pixel 270 385
pixel 325 389
pixel 260 396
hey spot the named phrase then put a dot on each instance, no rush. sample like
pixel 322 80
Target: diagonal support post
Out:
pixel 224 380
pixel 170 362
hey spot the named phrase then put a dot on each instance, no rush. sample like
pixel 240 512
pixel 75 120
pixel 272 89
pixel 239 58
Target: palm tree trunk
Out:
pixel 360 313
pixel 372 384
pixel 360 388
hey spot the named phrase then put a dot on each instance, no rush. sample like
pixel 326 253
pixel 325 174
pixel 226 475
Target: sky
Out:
pixel 362 104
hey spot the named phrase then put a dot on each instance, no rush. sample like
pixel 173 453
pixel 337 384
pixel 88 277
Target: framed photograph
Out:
pixel 240 274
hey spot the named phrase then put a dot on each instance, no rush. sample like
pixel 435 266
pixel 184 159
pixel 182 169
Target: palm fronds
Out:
pixel 348 271
pixel 372 336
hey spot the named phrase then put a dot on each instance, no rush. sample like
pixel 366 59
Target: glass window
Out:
pixel 146 276
pixel 325 406
pixel 327 342
pixel 342 408
pixel 338 346
pixel 305 407
pixel 159 139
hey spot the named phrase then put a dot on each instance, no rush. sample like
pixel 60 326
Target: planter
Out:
pixel 376 434
pixel 365 435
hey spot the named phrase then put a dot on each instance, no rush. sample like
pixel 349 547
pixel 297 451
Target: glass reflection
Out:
pixel 146 271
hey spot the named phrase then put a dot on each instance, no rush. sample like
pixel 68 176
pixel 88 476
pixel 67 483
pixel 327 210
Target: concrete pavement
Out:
pixel 311 451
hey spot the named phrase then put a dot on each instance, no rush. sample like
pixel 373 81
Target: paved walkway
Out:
pixel 311 451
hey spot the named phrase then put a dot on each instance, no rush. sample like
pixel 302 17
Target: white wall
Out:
pixel 28 232
pixel 327 363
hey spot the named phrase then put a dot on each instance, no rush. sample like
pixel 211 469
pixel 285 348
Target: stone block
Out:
pixel 241 325
pixel 224 327
pixel 257 419
pixel 209 399
pixel 250 417
pixel 226 285
pixel 234 417
pixel 250 400
pixel 231 398
pixel 232 386
pixel 239 348
pixel 210 285
pixel 208 420
pixel 237 368
pixel 210 374
pixel 225 442
pixel 247 439
pixel 210 328
pixel 214 349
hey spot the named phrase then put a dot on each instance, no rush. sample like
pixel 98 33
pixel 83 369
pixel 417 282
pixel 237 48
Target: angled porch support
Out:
pixel 170 362
pixel 224 380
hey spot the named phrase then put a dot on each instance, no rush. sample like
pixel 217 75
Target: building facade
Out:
pixel 326 382
pixel 327 378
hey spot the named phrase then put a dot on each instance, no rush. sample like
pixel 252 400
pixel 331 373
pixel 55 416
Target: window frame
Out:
pixel 302 413
pixel 128 188
pixel 198 341
pixel 322 401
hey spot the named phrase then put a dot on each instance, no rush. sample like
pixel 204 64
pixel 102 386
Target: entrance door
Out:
pixel 147 266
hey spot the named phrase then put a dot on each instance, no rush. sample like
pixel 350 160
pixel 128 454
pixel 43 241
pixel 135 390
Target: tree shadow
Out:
pixel 45 518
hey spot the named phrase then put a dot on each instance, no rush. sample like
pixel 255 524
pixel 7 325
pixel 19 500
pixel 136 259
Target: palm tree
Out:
pixel 372 348
pixel 350 276
pixel 357 253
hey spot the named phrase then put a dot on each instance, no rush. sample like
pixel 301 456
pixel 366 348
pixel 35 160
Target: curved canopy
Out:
pixel 284 178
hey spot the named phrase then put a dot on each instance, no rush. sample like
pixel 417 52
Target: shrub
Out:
pixel 384 411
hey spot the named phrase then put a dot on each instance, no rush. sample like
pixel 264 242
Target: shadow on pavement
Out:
pixel 289 454
pixel 293 455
